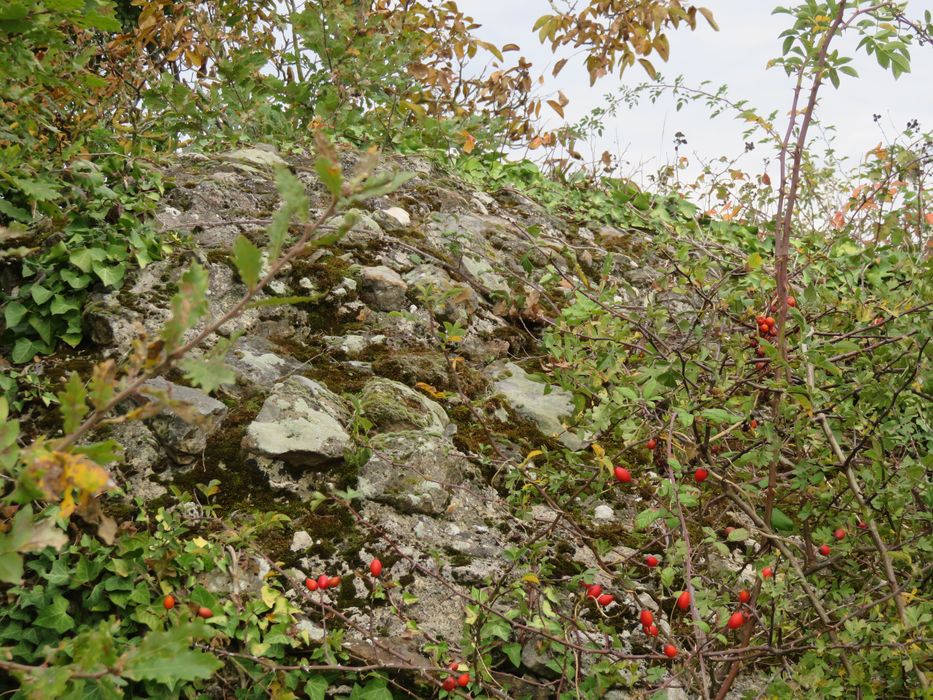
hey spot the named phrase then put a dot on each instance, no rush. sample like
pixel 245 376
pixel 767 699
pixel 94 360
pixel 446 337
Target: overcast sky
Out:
pixel 736 55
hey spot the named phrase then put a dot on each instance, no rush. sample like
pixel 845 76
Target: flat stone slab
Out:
pixel 547 411
pixel 301 423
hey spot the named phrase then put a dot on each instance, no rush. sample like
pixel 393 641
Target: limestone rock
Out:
pixel 412 471
pixel 184 427
pixel 392 406
pixel 383 288
pixel 527 398
pixel 300 423
pixel 258 156
pixel 255 361
pixel 353 345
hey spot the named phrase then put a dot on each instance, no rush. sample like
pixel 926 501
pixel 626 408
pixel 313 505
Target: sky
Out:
pixel 736 55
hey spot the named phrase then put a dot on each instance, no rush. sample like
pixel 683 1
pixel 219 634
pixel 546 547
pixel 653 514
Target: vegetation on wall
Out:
pixel 777 363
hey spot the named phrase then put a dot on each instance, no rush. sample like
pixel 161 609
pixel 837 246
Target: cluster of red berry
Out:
pixel 170 601
pixel 322 582
pixel 595 591
pixel 452 681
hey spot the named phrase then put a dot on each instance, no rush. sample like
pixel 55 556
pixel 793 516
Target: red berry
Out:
pixel 791 302
pixel 375 567
pixel 772 332
pixel 840 534
pixel 652 631
pixel 310 584
pixel 700 475
pixel 169 602
pixel 322 581
pixel 767 572
pixel 651 444
pixel 862 525
pixel 594 591
pixel 728 531
pixel 754 424
pixel 683 602
pixel 453 665
pixel 764 328
pixel 760 320
pixel 646 618
pixel 744 596
pixel 449 684
pixel 825 550
pixel 736 620
pixel 463 680
pixel 333 582
pixel 651 561
pixel 759 351
pixel 770 321
pixel 605 599
pixel 761 366
pixel 623 475
pixel 205 612
pixel 670 651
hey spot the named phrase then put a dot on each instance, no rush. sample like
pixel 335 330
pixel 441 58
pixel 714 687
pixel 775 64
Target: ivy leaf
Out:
pixel 164 657
pixel 13 313
pixel 54 616
pixel 316 688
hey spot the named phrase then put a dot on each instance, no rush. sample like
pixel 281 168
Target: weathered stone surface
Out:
pixel 527 398
pixel 353 345
pixel 383 288
pixel 184 427
pixel 301 423
pixel 412 471
pixel 392 406
pixel 256 362
pixel 260 156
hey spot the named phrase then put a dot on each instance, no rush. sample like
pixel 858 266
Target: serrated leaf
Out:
pixel 73 406
pixel 248 260
pixel 164 657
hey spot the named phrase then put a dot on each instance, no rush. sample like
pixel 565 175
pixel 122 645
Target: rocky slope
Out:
pixel 351 388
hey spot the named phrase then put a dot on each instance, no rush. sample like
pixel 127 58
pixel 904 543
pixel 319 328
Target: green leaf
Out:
pixel 316 688
pixel 43 326
pixel 330 173
pixel 646 517
pixel 110 275
pixel 779 521
pixel 248 260
pixel 164 657
pixel 73 405
pixel 718 415
pixel 54 616
pixel 739 534
pixel 81 259
pixel 13 314
pixel 24 350
pixel 11 567
pixel 60 305
pixel 39 190
pixel 40 294
pixel 207 373
pixel 514 652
